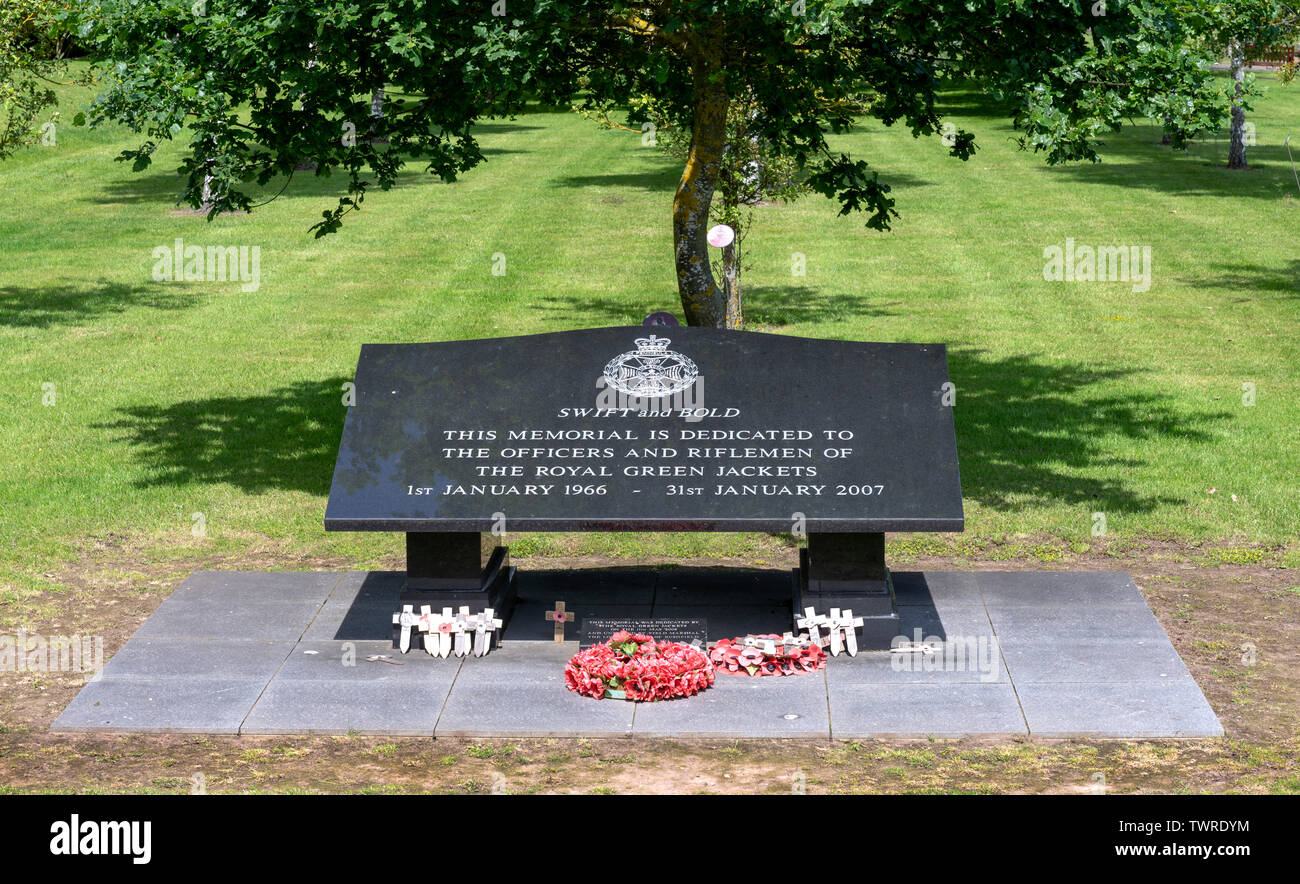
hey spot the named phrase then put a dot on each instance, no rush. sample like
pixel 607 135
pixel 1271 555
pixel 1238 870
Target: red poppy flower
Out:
pixel 733 656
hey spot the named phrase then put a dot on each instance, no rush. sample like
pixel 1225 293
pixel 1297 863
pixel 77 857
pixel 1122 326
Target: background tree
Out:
pixel 750 173
pixel 31 61
pixel 264 85
pixel 1252 26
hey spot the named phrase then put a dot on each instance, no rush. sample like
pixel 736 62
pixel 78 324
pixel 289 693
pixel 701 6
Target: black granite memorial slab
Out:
pixel 445 436
pixel 651 429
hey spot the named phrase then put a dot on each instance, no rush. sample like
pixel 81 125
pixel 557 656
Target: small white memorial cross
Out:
pixel 850 625
pixel 484 624
pixel 812 621
pixel 439 640
pixel 406 621
pixel 425 624
pixel 461 629
pixel 790 643
pixel 833 630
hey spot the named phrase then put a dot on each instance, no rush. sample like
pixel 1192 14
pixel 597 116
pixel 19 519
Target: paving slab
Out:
pixel 791 706
pixel 171 706
pixel 957 622
pixel 219 618
pixel 924 710
pixel 518 690
pixel 530 709
pixel 615 586
pixel 172 658
pixel 700 586
pixel 1045 589
pixel 258 586
pixel 1176 709
pixel 976 660
pixel 351 661
pixel 534 662
pixel 731 621
pixel 1093 623
pixel 367 619
pixel 932 587
pixel 1139 661
pixel 349 705
pixel 361 587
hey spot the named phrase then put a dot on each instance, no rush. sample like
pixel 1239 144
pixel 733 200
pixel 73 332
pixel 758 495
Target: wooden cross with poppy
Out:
pixel 560 617
pixel 438 643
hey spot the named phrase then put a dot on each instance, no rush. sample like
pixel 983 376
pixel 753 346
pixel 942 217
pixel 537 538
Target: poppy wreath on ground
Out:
pixel 734 656
pixel 636 667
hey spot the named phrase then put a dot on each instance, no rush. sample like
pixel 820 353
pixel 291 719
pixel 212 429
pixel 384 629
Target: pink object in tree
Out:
pixel 721 236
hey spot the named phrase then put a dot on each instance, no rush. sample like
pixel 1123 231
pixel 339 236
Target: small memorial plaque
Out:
pixel 596 630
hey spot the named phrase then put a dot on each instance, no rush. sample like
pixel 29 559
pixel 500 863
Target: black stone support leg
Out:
pixel 446 561
pixel 847 571
pixel 453 569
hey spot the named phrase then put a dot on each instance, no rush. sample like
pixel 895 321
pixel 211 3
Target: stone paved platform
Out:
pixel 1052 654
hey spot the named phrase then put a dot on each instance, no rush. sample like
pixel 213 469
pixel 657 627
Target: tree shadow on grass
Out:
pixel 1250 279
pixel 662 180
pixel 777 305
pixel 665 180
pixel 763 305
pixel 598 310
pixel 1027 428
pixel 165 188
pixel 887 176
pixel 502 128
pixel 1200 171
pixel 42 306
pixel 286 439
pixel 138 187
pixel 966 102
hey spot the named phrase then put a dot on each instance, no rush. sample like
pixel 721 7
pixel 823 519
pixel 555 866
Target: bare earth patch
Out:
pixel 1235 625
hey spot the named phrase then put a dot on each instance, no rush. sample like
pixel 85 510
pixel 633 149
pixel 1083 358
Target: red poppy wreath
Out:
pixel 636 667
pixel 768 655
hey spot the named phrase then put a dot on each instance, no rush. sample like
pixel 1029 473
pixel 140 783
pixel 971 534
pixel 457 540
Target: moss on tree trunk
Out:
pixel 703 300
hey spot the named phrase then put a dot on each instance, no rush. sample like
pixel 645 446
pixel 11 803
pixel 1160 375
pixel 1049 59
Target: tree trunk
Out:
pixel 206 197
pixel 731 283
pixel 376 114
pixel 1237 140
pixel 703 301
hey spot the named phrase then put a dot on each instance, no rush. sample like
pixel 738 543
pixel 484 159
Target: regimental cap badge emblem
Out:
pixel 651 370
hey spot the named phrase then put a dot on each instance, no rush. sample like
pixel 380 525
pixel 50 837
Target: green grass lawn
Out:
pixel 1073 398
